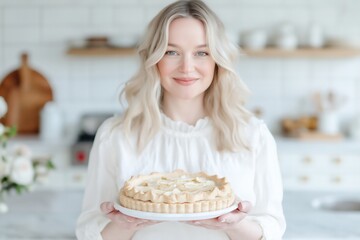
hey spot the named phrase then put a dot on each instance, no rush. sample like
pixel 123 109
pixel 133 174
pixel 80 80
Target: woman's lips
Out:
pixel 185 81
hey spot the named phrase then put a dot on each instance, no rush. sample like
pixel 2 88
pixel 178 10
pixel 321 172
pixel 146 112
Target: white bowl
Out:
pixel 254 40
pixel 286 42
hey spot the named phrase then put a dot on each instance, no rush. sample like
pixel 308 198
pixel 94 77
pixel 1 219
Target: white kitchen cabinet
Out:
pixel 324 166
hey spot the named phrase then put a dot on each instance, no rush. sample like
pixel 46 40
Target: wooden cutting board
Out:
pixel 25 91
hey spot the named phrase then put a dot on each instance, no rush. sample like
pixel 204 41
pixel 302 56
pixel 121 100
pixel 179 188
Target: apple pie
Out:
pixel 176 192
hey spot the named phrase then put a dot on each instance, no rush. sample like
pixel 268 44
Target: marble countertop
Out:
pixel 306 222
pixel 41 215
pixel 52 215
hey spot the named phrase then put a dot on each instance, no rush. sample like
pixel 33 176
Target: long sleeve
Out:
pixel 101 186
pixel 268 210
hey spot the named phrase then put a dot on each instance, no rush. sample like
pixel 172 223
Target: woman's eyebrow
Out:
pixel 176 46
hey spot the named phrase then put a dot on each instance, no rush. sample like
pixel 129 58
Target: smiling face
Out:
pixel 186 69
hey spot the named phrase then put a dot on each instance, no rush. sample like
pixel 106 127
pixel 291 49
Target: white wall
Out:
pixel 43 28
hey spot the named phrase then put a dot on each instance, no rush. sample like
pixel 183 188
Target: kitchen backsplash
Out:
pixel 280 86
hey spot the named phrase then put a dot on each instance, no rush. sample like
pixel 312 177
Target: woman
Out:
pixel 185 111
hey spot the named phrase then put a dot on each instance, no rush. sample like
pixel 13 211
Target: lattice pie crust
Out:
pixel 176 192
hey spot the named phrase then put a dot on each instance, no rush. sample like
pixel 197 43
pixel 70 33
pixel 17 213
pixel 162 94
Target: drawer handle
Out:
pixel 78 178
pixel 337 161
pixel 304 179
pixel 337 179
pixel 307 160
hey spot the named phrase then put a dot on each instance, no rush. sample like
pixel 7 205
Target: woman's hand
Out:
pixel 234 224
pixel 123 220
pixel 121 223
pixel 227 221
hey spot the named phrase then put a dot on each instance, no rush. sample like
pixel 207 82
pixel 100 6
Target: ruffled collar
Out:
pixel 183 127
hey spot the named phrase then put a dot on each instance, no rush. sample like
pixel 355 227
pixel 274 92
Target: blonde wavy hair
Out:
pixel 223 100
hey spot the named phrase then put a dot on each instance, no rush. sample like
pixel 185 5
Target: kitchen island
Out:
pixel 52 215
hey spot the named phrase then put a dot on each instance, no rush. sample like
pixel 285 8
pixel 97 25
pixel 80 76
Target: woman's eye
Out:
pixel 171 53
pixel 202 54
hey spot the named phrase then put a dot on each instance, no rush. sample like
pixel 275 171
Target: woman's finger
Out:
pixel 232 217
pixel 107 207
pixel 114 215
pixel 244 206
pixel 236 215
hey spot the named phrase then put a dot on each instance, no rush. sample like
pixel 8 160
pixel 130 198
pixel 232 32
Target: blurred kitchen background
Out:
pixel 300 59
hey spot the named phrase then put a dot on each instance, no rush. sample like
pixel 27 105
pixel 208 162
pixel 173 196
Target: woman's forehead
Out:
pixel 186 31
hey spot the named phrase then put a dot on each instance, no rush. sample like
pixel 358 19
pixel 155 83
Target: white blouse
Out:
pixel 254 175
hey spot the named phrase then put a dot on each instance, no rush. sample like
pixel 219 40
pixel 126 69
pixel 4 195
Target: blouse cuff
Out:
pixel 256 220
pixel 93 230
pixel 102 223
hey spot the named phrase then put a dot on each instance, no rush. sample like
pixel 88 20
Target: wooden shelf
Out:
pixel 264 53
pixel 93 52
pixel 303 52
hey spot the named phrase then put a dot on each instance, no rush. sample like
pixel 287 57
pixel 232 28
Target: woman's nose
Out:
pixel 187 64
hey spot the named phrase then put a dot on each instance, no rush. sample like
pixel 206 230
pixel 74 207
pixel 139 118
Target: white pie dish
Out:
pixel 174 216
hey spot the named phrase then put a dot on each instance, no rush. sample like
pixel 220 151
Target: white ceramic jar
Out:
pixel 315 38
pixel 329 122
pixel 51 123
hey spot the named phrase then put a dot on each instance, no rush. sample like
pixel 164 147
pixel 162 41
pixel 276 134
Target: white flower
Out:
pixel 22 171
pixel 4 167
pixel 3 107
pixel 3 208
pixel 22 151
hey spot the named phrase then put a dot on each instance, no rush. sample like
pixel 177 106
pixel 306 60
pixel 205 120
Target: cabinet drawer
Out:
pixel 319 163
pixel 322 182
